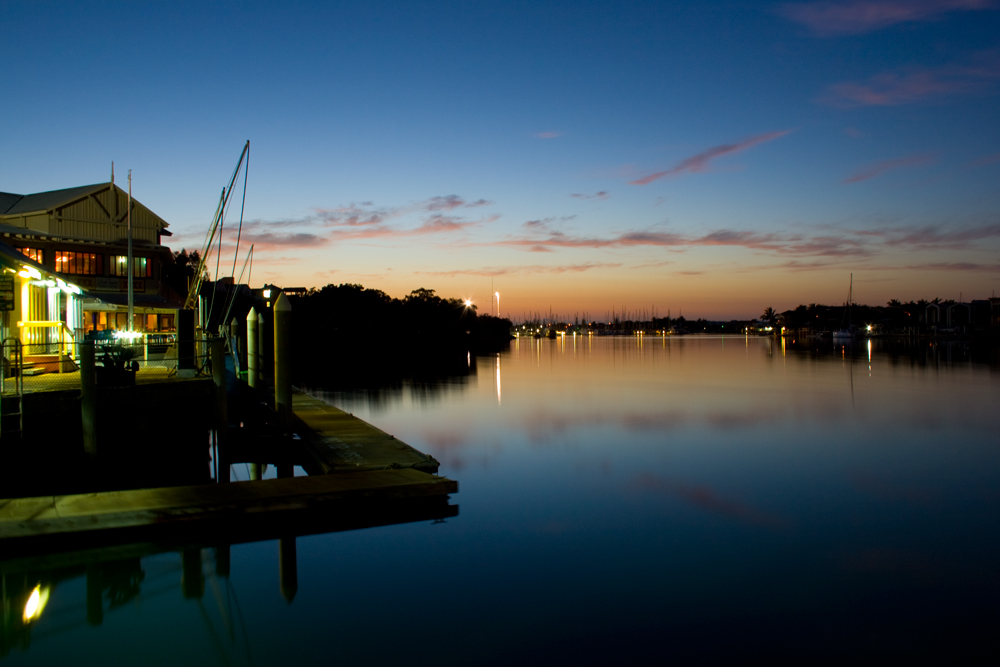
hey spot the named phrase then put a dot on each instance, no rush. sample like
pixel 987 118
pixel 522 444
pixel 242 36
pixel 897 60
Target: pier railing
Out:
pixel 56 366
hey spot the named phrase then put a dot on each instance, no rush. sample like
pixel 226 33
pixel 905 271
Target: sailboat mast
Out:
pixel 131 294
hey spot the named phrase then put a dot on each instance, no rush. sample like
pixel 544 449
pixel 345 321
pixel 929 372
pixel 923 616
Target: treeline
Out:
pixel 364 333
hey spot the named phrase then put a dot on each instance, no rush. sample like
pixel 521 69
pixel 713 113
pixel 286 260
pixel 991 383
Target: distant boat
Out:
pixel 848 330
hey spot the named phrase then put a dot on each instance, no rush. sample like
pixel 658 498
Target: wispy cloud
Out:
pixel 550 134
pixel 701 161
pixel 956 266
pixel 536 268
pixel 603 194
pixel 977 75
pixel 987 160
pixel 854 17
pixel 269 240
pixel 887 165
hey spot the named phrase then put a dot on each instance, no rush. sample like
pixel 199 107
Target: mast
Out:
pixel 131 294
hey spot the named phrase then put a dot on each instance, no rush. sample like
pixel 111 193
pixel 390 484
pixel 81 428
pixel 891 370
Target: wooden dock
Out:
pixel 340 442
pixel 356 500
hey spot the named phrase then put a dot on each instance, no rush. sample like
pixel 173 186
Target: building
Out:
pixel 39 310
pixel 80 235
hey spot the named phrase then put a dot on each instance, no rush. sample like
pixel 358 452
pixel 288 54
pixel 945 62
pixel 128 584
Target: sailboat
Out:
pixel 846 332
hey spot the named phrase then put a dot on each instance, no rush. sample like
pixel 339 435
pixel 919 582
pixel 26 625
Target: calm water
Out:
pixel 620 499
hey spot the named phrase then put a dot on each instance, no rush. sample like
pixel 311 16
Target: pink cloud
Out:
pixel 537 268
pixel 267 240
pixel 855 17
pixel 914 85
pixel 700 162
pixel 887 165
pixel 987 160
pixel 603 194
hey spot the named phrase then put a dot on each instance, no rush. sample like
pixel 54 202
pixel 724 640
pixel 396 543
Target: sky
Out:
pixel 709 159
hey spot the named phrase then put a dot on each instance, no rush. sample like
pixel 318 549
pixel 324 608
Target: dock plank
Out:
pixel 111 510
pixel 340 442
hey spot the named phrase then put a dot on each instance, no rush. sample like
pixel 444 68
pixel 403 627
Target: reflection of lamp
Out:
pixel 36 603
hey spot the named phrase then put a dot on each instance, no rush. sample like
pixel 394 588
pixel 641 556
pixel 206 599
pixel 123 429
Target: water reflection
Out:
pixel 43 600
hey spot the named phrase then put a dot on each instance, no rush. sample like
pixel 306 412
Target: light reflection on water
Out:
pixel 632 498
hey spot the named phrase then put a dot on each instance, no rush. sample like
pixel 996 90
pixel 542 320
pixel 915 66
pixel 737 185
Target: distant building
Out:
pixel 80 235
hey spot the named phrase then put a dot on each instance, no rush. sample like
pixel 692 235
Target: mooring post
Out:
pixel 288 568
pixel 218 352
pixel 88 398
pixel 283 363
pixel 185 343
pixel 253 361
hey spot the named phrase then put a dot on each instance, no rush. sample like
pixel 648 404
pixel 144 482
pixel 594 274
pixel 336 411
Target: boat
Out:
pixel 846 332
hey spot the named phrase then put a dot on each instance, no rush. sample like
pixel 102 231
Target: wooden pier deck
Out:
pixel 340 442
pixel 117 516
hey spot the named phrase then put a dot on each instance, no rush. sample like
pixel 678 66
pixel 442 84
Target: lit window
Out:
pixel 81 263
pixel 142 267
pixel 33 253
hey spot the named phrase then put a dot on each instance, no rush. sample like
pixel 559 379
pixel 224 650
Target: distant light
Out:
pixel 128 335
pixel 468 303
pixel 869 327
pixel 267 294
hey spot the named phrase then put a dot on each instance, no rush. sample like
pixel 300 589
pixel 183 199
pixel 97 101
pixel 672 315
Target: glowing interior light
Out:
pixel 267 294
pixel 128 335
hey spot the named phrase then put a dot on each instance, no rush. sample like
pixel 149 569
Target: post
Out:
pixel 185 343
pixel 253 342
pixel 283 363
pixel 221 408
pixel 88 398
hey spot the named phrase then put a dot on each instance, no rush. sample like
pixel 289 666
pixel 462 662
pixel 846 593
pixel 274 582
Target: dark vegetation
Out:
pixel 351 336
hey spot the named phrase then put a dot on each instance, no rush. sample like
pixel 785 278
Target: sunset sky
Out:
pixel 710 158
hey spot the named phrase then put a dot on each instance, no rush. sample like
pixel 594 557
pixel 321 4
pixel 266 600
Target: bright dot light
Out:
pixel 128 335
pixel 468 303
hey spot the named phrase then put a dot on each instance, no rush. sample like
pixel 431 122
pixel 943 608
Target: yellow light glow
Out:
pixel 267 294
pixel 128 335
pixel 36 603
pixel 31 271
pixel 468 303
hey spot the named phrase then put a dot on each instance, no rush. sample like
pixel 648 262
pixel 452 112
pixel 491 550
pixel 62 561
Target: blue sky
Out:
pixel 715 157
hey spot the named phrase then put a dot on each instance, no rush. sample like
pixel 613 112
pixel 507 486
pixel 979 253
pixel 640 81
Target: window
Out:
pixel 141 266
pixel 33 253
pixel 81 263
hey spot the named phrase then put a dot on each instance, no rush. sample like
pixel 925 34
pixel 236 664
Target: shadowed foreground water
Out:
pixel 622 500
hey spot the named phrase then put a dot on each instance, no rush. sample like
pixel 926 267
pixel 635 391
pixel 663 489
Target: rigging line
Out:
pixel 239 232
pixel 235 287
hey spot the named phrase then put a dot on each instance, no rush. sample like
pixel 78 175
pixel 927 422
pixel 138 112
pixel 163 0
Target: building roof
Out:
pixel 44 201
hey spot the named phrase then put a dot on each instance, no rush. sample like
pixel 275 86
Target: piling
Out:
pixel 221 407
pixel 283 363
pixel 185 343
pixel 88 398
pixel 253 343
